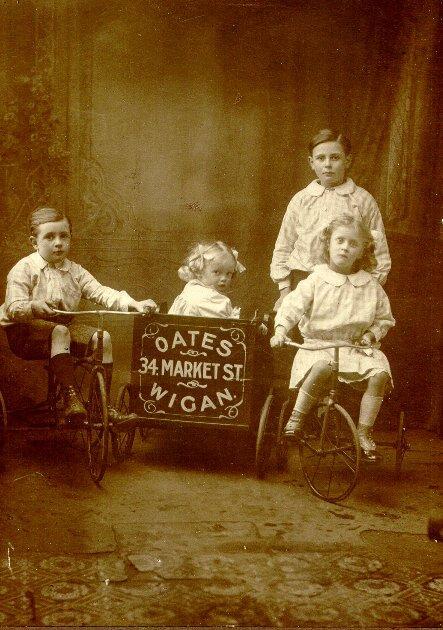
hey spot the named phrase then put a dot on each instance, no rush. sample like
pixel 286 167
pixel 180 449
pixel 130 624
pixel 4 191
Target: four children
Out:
pixel 329 261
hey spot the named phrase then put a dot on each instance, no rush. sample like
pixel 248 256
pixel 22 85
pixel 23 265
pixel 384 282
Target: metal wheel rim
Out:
pixel 3 422
pixel 340 459
pixel 262 449
pixel 122 441
pixel 97 428
pixel 401 446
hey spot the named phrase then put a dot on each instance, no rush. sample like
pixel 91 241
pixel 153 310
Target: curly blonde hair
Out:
pixel 320 244
pixel 199 254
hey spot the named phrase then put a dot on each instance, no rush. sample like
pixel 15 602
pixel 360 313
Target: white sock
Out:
pixel 369 408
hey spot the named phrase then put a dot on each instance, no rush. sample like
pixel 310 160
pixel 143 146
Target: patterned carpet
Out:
pixel 246 587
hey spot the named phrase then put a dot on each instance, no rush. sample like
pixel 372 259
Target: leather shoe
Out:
pixel 118 417
pixel 294 428
pixel 74 411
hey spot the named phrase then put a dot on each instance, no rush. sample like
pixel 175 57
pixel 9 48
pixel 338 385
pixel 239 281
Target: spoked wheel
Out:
pixel 122 441
pixel 3 423
pixel 281 454
pixel 97 427
pixel 265 439
pixel 55 399
pixel 402 445
pixel 330 453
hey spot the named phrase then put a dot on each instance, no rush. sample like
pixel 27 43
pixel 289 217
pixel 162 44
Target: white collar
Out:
pixel 42 263
pixel 338 279
pixel 316 189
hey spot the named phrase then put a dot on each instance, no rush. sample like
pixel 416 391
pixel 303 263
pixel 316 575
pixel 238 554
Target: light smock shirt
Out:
pixel 198 300
pixel 33 278
pixel 329 306
pixel 311 210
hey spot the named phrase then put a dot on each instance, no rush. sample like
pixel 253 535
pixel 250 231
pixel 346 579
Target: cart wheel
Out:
pixel 330 453
pixel 122 441
pixel 97 427
pixel 264 439
pixel 3 423
pixel 401 446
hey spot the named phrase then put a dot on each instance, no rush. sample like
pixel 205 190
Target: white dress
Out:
pixel 198 300
pixel 330 306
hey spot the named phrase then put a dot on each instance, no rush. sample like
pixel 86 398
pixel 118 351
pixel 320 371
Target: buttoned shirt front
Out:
pixel 311 210
pixel 331 306
pixel 33 278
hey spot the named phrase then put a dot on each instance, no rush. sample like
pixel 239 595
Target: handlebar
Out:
pixel 101 312
pixel 336 344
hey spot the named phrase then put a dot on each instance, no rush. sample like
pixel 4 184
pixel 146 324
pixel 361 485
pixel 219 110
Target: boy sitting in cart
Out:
pixel 47 280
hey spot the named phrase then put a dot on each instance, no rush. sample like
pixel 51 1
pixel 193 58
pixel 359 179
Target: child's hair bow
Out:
pixel 239 268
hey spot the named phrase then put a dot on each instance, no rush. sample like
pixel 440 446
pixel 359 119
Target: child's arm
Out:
pixel 291 310
pixel 383 319
pixel 284 246
pixel 374 221
pixel 109 298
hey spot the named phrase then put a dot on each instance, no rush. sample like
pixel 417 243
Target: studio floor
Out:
pixel 183 534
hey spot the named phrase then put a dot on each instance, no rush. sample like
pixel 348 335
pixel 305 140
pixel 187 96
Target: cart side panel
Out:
pixel 193 369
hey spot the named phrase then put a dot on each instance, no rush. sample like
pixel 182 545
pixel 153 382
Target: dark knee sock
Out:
pixel 62 366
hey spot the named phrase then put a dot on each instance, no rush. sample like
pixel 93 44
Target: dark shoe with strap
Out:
pixel 74 411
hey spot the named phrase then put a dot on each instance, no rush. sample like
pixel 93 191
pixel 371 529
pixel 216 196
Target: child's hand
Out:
pixel 41 309
pixel 366 340
pixel 279 339
pixel 145 306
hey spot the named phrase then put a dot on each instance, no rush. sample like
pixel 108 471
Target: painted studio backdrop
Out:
pixel 157 123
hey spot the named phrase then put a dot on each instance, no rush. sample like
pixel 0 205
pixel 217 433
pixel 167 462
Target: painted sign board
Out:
pixel 193 369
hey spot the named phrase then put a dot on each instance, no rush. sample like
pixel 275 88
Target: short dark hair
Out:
pixel 320 244
pixel 328 135
pixel 46 215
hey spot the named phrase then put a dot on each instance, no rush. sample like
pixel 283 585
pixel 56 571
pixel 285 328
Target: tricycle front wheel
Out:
pixel 97 427
pixel 330 453
pixel 265 438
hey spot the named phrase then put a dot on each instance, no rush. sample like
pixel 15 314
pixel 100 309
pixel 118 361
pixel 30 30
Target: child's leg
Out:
pixel 312 388
pixel 369 407
pixel 62 366
pixel 108 365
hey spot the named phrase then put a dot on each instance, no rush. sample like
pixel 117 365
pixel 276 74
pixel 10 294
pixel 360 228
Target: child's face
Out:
pixel 345 248
pixel 53 241
pixel 329 163
pixel 218 272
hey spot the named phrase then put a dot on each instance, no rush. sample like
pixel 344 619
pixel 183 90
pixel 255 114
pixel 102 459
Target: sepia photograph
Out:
pixel 220 314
